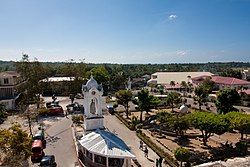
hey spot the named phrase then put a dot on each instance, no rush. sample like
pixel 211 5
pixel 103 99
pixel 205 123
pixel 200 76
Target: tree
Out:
pixel 2 110
pixel 15 144
pixel 226 98
pixel 208 84
pixel 123 98
pixel 179 124
pixel 239 121
pixel 182 154
pixel 162 118
pixel 173 98
pixel 145 101
pixel 201 93
pixel 172 83
pixel 185 86
pixel 101 75
pixel 32 72
pixel 208 123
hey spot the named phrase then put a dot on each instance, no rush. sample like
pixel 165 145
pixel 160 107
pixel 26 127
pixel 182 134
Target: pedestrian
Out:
pixel 160 161
pixel 66 112
pixel 141 145
pixel 146 152
pixel 157 163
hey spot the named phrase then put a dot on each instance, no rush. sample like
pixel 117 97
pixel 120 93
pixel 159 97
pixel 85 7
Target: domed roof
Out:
pixel 92 83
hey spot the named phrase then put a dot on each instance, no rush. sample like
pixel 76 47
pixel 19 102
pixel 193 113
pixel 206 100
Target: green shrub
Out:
pixel 77 119
pixel 43 111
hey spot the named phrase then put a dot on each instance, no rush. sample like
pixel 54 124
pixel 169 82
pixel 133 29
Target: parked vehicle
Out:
pixel 40 136
pixel 56 110
pixel 37 151
pixel 75 107
pixel 110 109
pixel 48 161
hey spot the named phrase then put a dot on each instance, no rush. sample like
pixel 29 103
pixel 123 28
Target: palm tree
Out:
pixel 200 95
pixel 173 98
pixel 172 83
pixel 184 85
pixel 123 98
pixel 145 101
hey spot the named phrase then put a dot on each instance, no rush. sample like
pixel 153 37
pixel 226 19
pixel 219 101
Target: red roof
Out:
pixel 229 81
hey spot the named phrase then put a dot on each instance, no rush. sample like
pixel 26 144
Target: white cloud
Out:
pixel 172 17
pixel 182 52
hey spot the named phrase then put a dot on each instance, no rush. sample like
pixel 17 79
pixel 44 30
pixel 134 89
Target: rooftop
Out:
pixel 58 79
pixel 178 77
pixel 9 74
pixel 229 81
pixel 105 143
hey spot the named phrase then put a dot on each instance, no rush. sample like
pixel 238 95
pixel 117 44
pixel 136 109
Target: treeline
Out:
pixel 137 70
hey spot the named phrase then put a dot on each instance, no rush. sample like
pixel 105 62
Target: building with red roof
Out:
pixel 230 82
pixel 223 82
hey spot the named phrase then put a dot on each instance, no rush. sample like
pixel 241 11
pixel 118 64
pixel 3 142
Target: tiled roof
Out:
pixel 229 81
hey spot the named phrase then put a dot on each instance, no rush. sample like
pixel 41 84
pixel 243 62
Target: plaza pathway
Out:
pixel 129 137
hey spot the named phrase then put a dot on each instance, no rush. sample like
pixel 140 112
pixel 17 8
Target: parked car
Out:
pixel 110 109
pixel 37 151
pixel 48 161
pixel 56 110
pixel 40 136
pixel 75 107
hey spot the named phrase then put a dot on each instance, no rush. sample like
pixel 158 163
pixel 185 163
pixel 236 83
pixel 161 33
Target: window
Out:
pixel 89 155
pixel 5 80
pixel 100 159
pixel 116 162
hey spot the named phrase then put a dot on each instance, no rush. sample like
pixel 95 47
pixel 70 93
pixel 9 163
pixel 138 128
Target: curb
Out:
pixel 76 147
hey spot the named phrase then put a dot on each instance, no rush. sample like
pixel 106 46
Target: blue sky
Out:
pixel 126 31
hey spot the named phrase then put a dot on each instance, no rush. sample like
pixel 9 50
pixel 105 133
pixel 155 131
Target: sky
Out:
pixel 126 31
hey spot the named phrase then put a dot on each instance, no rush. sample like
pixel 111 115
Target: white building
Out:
pixel 10 81
pixel 164 78
pixel 98 147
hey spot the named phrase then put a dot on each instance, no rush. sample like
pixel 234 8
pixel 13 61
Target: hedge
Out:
pixel 159 151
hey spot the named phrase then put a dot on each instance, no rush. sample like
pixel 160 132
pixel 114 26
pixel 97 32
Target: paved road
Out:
pixel 60 143
pixel 129 137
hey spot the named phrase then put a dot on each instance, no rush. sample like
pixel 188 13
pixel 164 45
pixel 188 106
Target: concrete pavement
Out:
pixel 129 137
pixel 60 143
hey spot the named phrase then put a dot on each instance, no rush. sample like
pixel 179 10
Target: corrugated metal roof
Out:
pixel 105 143
pixel 58 79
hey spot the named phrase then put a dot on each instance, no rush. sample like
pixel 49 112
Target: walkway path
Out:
pixel 129 137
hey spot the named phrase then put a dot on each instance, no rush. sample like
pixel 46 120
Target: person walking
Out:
pixel 146 152
pixel 141 145
pixel 157 163
pixel 66 112
pixel 160 161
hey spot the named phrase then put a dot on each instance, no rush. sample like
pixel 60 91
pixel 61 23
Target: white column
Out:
pixel 107 161
pixel 93 158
